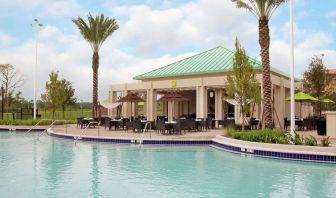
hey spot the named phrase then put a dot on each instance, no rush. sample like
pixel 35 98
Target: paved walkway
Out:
pixel 204 135
pixel 151 134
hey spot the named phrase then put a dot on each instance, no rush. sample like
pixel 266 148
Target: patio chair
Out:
pixel 210 123
pixel 84 123
pixel 286 123
pixel 161 127
pixel 125 120
pixel 119 125
pixel 79 121
pixel 177 127
pixel 254 123
pixel 306 124
pixel 107 123
pixel 137 126
pixel 190 124
pixel 181 125
pixel 129 125
pixel 202 124
pixel 102 120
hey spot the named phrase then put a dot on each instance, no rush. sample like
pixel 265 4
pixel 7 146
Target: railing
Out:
pixel 66 128
pixel 93 123
pixel 143 133
pixel 37 124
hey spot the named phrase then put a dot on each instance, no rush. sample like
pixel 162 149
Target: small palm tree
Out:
pixel 95 33
pixel 263 10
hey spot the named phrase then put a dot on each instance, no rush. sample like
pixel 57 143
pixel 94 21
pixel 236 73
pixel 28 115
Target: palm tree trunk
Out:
pixel 264 42
pixel 95 66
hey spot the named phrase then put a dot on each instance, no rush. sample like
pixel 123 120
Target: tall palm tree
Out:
pixel 263 10
pixel 95 33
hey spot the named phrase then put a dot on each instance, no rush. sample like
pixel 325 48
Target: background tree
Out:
pixel 95 33
pixel 59 93
pixel 68 93
pixel 16 101
pixel 11 80
pixel 263 10
pixel 315 79
pixel 242 84
pixel 53 96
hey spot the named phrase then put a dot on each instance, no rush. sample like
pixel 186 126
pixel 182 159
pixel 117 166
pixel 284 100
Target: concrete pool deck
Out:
pixel 100 132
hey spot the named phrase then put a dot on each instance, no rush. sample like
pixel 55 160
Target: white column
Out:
pixel 113 99
pixel 145 106
pixel 125 106
pixel 151 104
pixel 218 104
pixel 201 102
pixel 170 111
pixel 282 106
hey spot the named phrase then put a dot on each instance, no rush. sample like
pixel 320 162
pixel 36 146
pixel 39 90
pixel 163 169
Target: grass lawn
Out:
pixel 69 115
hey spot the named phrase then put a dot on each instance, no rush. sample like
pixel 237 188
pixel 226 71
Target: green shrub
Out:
pixel 230 131
pixel 264 136
pixel 296 139
pixel 310 141
pixel 325 141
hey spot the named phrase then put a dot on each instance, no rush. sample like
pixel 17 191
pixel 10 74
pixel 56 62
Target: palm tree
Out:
pixel 263 10
pixel 95 33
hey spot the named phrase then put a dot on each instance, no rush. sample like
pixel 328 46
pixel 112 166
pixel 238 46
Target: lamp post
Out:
pixel 81 106
pixel 36 27
pixel 292 86
pixel 2 102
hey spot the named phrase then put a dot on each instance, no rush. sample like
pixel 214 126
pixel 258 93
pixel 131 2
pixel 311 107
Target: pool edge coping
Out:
pixel 223 143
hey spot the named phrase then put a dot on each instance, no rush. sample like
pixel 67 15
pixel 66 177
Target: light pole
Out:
pixel 81 106
pixel 2 102
pixel 36 27
pixel 292 86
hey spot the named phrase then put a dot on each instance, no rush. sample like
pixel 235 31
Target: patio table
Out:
pixel 86 121
pixel 114 122
pixel 170 126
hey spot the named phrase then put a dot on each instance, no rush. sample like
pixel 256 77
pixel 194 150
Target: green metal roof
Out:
pixel 215 60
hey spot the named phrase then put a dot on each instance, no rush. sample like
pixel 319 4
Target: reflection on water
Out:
pixel 57 161
pixel 55 167
pixel 95 172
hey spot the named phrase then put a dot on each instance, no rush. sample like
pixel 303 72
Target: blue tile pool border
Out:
pixel 277 154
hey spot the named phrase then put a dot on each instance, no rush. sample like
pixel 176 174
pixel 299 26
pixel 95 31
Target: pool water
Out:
pixel 53 167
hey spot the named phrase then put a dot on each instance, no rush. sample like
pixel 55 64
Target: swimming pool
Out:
pixel 54 167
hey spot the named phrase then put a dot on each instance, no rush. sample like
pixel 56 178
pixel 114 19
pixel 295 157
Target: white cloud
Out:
pixel 63 8
pixel 331 14
pixel 47 7
pixel 6 39
pixel 149 31
pixel 312 44
pixel 74 62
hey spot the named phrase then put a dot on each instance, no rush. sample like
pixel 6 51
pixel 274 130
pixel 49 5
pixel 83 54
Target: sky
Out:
pixel 152 34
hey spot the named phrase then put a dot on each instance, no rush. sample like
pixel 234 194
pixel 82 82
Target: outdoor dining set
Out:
pixel 161 125
pixel 308 124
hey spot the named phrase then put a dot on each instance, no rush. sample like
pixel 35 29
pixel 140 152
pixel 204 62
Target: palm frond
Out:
pixel 97 30
pixel 260 8
pixel 243 4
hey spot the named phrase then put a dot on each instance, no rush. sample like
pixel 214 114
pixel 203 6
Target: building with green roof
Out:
pixel 201 79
